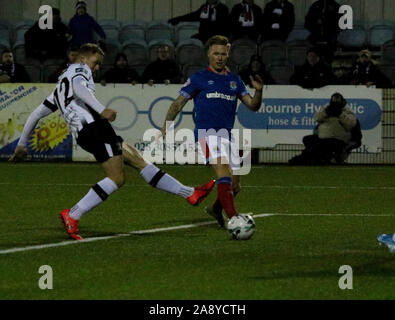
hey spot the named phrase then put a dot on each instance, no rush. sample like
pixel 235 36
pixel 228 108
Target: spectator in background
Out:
pixel 314 73
pixel 255 67
pixel 322 20
pixel 43 44
pixel 72 56
pixel 213 17
pixel 278 20
pixel 82 26
pixel 163 70
pixel 11 71
pixel 121 72
pixel 337 133
pixel 366 72
pixel 246 20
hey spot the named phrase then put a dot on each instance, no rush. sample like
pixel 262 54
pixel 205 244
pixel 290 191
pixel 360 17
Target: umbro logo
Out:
pixel 210 82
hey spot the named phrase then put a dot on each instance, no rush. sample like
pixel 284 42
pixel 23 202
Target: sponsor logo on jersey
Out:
pixel 81 70
pixel 217 95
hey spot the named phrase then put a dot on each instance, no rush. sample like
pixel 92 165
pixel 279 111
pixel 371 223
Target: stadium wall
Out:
pixel 277 128
pixel 148 10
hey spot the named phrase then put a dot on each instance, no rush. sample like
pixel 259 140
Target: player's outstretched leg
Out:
pixel 95 196
pixel 163 181
pixel 388 240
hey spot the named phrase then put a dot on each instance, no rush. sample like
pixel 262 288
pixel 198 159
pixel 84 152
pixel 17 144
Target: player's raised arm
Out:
pixel 254 103
pixel 40 112
pixel 174 110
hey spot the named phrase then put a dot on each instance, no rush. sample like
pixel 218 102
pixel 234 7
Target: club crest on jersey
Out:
pixel 233 85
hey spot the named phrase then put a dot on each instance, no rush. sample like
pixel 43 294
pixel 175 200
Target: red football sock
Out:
pixel 225 196
pixel 217 206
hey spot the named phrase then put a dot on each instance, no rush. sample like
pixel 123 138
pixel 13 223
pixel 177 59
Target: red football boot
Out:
pixel 200 193
pixel 70 224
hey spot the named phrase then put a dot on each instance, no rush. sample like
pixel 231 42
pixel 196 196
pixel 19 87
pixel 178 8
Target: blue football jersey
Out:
pixel 215 98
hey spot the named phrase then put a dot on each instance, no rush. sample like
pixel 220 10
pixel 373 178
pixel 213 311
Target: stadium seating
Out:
pixel 19 30
pixel 270 50
pixel 190 69
pixel 190 52
pixel 47 70
pixel 388 52
pixel 389 71
pixel 379 33
pixel 34 72
pixel 136 51
pixel 132 30
pixel 281 71
pixel 153 46
pixel 184 30
pixel 111 28
pixel 241 52
pixel 297 50
pixel 159 30
pixel 113 47
pixel 19 52
pixel 4 35
pixel 298 33
pixel 353 39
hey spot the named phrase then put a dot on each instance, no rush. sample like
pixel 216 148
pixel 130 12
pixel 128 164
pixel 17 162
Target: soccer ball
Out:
pixel 241 227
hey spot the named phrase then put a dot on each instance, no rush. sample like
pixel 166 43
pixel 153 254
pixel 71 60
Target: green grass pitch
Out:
pixel 324 218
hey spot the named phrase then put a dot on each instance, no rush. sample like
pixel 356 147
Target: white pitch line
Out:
pixel 243 186
pixel 186 226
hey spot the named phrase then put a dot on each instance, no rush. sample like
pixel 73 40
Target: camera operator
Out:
pixel 337 129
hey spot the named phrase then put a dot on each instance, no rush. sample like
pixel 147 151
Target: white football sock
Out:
pixel 162 181
pixel 96 195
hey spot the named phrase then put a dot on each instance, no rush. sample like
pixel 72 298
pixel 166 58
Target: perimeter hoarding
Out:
pixel 285 117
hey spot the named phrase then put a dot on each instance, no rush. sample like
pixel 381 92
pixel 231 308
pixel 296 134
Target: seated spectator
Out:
pixel 82 25
pixel 163 70
pixel 246 19
pixel 121 73
pixel 322 20
pixel 11 71
pixel 314 73
pixel 278 20
pixel 213 17
pixel 43 44
pixel 337 133
pixel 72 55
pixel 256 67
pixel 366 72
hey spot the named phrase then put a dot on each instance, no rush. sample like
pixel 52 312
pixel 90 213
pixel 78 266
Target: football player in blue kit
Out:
pixel 215 92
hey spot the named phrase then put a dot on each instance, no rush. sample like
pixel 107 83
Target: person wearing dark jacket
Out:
pixel 162 70
pixel 82 26
pixel 278 20
pixel 322 20
pixel 365 72
pixel 213 17
pixel 246 19
pixel 11 71
pixel 72 55
pixel 121 73
pixel 314 73
pixel 256 67
pixel 43 44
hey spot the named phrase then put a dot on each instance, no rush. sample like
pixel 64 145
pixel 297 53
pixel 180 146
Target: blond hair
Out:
pixel 89 49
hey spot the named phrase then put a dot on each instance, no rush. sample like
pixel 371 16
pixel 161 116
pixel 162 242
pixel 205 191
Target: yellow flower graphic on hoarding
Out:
pixel 52 132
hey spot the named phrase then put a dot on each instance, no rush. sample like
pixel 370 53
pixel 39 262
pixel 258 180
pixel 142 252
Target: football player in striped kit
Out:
pixel 89 121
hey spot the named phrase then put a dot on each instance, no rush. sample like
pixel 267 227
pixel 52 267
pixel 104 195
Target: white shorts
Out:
pixel 213 147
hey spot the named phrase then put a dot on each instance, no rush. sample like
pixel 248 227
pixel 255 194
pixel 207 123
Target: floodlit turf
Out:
pixel 293 256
